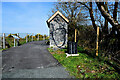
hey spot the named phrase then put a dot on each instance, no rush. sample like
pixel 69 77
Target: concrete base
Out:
pixel 53 46
pixel 71 55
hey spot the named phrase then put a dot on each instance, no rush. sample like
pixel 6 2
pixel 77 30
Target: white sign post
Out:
pixel 18 39
pixel 15 38
pixel 38 37
pixel 32 36
pixel 3 40
pixel 14 42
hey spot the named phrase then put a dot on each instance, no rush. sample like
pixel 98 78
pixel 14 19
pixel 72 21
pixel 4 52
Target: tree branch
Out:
pixel 92 17
pixel 84 4
pixel 106 15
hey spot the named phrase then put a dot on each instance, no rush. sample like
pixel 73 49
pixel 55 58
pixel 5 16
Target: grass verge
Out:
pixel 3 49
pixel 84 66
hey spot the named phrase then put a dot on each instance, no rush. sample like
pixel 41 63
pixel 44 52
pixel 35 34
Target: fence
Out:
pixel 11 40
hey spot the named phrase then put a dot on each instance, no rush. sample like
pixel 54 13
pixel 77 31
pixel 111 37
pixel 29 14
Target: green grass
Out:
pixel 3 49
pixel 0 49
pixel 22 41
pixel 84 66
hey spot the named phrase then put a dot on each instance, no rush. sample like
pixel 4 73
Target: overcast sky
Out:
pixel 25 17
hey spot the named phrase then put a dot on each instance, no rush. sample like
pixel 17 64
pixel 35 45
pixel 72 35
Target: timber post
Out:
pixel 38 36
pixel 26 38
pixel 97 41
pixel 75 34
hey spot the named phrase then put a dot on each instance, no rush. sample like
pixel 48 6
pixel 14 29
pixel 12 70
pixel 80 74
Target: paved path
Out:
pixel 31 60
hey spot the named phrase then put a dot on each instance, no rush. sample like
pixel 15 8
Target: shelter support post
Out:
pixel 14 42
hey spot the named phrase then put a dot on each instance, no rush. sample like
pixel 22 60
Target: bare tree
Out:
pixel 112 20
pixel 74 12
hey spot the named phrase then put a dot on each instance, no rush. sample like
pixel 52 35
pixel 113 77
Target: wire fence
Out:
pixel 8 40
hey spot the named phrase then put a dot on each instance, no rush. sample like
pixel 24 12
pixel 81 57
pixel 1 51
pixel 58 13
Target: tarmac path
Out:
pixel 31 60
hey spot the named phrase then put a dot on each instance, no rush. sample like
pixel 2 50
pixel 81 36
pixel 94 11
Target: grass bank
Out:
pixel 84 66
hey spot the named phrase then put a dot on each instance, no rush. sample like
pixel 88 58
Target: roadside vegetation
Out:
pixel 85 66
pixel 9 40
pixel 0 49
pixel 86 17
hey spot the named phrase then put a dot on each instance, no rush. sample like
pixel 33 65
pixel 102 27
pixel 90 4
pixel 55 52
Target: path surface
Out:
pixel 31 60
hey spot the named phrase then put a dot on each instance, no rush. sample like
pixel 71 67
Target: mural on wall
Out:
pixel 58 32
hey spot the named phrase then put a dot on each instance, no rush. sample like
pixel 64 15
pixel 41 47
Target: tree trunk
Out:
pixel 115 11
pixel 106 22
pixel 93 20
pixel 92 17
